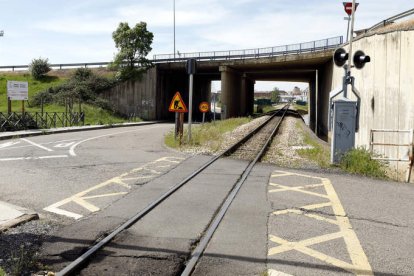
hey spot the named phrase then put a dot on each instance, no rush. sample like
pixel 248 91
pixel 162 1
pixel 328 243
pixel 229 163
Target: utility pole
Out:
pixel 174 25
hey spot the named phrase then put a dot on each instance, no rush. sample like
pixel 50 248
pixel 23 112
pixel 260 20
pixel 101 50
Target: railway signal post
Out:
pixel 344 112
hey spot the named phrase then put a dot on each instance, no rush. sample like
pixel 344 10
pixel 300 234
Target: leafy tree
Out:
pixel 39 67
pixel 133 45
pixel 275 95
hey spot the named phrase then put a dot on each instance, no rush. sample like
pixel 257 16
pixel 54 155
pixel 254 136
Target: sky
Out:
pixel 81 30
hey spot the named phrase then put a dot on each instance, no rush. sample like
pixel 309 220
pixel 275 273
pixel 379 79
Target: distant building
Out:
pixel 262 94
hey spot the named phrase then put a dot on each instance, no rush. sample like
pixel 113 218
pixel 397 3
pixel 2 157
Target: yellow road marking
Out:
pixel 104 195
pixel 297 189
pixel 81 197
pixel 299 212
pixel 287 246
pixel 281 174
pixel 360 264
pixel 272 272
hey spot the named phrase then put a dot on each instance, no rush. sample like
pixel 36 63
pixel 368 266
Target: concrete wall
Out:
pixel 149 98
pixel 137 97
pixel 386 85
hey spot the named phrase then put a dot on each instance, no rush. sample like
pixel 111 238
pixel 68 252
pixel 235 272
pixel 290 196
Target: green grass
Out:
pixel 98 116
pixel 2 273
pixel 268 108
pixel 93 115
pixel 34 87
pixel 302 109
pixel 318 153
pixel 359 161
pixel 209 134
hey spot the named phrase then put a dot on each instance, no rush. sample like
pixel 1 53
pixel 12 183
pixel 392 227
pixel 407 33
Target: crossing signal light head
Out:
pixel 340 57
pixel 360 59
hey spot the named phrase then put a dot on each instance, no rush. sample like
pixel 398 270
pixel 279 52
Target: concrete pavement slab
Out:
pixel 12 215
pixel 239 245
pixel 66 244
pixel 306 223
pixel 170 231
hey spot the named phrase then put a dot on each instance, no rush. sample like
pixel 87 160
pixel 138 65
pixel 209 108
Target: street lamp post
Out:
pixel 174 25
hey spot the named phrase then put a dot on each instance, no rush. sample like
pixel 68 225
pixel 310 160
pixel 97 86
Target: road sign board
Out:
pixel 177 104
pixel 18 90
pixel 204 107
pixel 348 7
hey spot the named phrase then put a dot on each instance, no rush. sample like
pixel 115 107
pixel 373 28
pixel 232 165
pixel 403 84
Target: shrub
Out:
pixel 83 84
pixel 359 161
pixel 39 67
pixel 82 74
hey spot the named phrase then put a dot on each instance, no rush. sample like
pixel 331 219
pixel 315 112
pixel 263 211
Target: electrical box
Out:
pixel 343 126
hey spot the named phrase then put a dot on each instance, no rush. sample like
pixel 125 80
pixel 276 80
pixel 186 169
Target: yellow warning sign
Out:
pixel 203 107
pixel 177 104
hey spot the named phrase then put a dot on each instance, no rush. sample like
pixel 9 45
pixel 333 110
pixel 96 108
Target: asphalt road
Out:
pixel 73 174
pixel 283 222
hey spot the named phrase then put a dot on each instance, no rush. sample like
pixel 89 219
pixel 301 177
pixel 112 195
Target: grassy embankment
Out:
pixel 93 115
pixel 208 135
pixel 318 153
pixel 357 161
pixel 302 109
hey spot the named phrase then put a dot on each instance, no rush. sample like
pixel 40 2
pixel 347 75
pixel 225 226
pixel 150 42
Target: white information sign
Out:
pixel 18 90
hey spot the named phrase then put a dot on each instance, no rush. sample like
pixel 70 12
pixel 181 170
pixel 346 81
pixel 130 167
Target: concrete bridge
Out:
pixel 386 85
pixel 238 71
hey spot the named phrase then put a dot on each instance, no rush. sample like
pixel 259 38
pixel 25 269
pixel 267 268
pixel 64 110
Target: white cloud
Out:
pixel 81 30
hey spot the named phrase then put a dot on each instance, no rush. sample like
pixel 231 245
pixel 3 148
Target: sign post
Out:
pixel 191 67
pixel 348 10
pixel 177 105
pixel 204 107
pixel 17 91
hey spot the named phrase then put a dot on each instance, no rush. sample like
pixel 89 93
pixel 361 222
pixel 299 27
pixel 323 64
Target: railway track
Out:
pixel 252 147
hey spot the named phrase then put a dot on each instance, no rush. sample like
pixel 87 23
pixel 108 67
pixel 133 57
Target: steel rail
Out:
pixel 198 251
pixel 85 256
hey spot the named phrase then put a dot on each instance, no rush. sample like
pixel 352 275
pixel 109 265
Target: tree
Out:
pixel 39 67
pixel 275 95
pixel 133 45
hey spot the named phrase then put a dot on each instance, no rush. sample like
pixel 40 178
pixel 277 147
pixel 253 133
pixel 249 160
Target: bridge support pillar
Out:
pixel 247 96
pixel 231 86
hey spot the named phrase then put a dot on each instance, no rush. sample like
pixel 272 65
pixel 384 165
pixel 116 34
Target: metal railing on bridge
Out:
pixel 37 120
pixel 299 48
pixel 61 65
pixel 312 46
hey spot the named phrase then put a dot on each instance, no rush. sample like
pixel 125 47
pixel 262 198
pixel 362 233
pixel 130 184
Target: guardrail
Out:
pixel 391 20
pixel 60 66
pixel 312 46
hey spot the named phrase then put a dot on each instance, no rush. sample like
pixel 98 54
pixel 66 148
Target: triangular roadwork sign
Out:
pixel 177 104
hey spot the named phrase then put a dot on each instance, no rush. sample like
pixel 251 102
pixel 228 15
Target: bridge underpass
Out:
pixel 306 62
pixel 238 79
